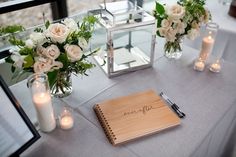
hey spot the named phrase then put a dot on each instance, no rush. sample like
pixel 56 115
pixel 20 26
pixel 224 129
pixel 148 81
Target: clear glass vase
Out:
pixel 63 85
pixel 173 50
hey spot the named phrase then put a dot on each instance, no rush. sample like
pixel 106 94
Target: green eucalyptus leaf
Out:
pixel 160 8
pixel 14 41
pixel 26 51
pixel 11 29
pixel 63 58
pixel 47 24
pixel 40 30
pixel 52 77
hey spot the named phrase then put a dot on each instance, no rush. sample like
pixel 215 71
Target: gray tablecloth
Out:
pixel 207 98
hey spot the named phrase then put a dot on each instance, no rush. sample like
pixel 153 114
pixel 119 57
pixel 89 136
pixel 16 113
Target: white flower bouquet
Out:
pixel 58 50
pixel 176 21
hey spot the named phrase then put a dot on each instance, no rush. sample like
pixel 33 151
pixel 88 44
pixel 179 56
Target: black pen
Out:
pixel 173 106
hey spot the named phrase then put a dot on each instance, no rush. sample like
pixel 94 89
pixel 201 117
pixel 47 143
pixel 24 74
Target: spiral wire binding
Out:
pixel 104 123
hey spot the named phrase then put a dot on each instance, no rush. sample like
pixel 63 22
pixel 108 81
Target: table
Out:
pixel 207 98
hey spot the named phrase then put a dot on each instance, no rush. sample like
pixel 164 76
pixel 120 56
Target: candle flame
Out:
pixel 42 95
pixel 209 37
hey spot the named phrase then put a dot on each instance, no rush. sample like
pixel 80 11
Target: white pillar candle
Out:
pixel 207 45
pixel 199 65
pixel 66 122
pixel 45 115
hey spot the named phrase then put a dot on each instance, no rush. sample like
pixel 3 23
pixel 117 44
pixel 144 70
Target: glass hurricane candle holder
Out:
pixel 208 40
pixel 215 66
pixel 39 87
pixel 199 64
pixel 66 119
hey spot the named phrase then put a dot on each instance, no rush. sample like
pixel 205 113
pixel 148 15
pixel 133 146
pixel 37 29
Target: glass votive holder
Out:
pixel 208 40
pixel 215 66
pixel 199 65
pixel 66 119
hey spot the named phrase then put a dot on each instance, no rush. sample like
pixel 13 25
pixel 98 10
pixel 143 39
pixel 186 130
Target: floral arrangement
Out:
pixel 179 20
pixel 58 49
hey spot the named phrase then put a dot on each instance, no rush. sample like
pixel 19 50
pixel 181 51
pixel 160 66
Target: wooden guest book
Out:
pixel 129 117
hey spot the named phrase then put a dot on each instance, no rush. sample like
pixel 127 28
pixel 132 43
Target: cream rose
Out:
pixel 83 43
pixel 40 50
pixel 175 12
pixel 162 31
pixel 192 34
pixel 43 65
pixel 38 38
pixel 74 53
pixel 166 23
pixel 57 32
pixel 56 65
pixel 52 52
pixel 71 24
pixel 170 34
pixel 180 27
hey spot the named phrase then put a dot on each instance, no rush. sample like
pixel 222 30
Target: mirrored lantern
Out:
pixel 126 36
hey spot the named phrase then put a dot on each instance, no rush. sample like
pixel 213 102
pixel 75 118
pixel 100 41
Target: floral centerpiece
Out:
pixel 180 20
pixel 58 50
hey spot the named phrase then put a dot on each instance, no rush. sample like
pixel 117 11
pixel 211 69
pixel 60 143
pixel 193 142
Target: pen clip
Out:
pixel 173 106
pixel 178 111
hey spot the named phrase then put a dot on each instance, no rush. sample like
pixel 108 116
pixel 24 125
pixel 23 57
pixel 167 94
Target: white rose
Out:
pixel 192 34
pixel 180 27
pixel 29 43
pixel 52 52
pixel 170 34
pixel 71 24
pixel 18 59
pixel 57 32
pixel 74 53
pixel 38 38
pixel 175 12
pixel 42 65
pixel 83 43
pixel 166 23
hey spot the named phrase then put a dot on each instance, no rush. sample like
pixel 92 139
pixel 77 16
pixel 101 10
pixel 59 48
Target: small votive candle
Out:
pixel 215 67
pixel 199 65
pixel 66 119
